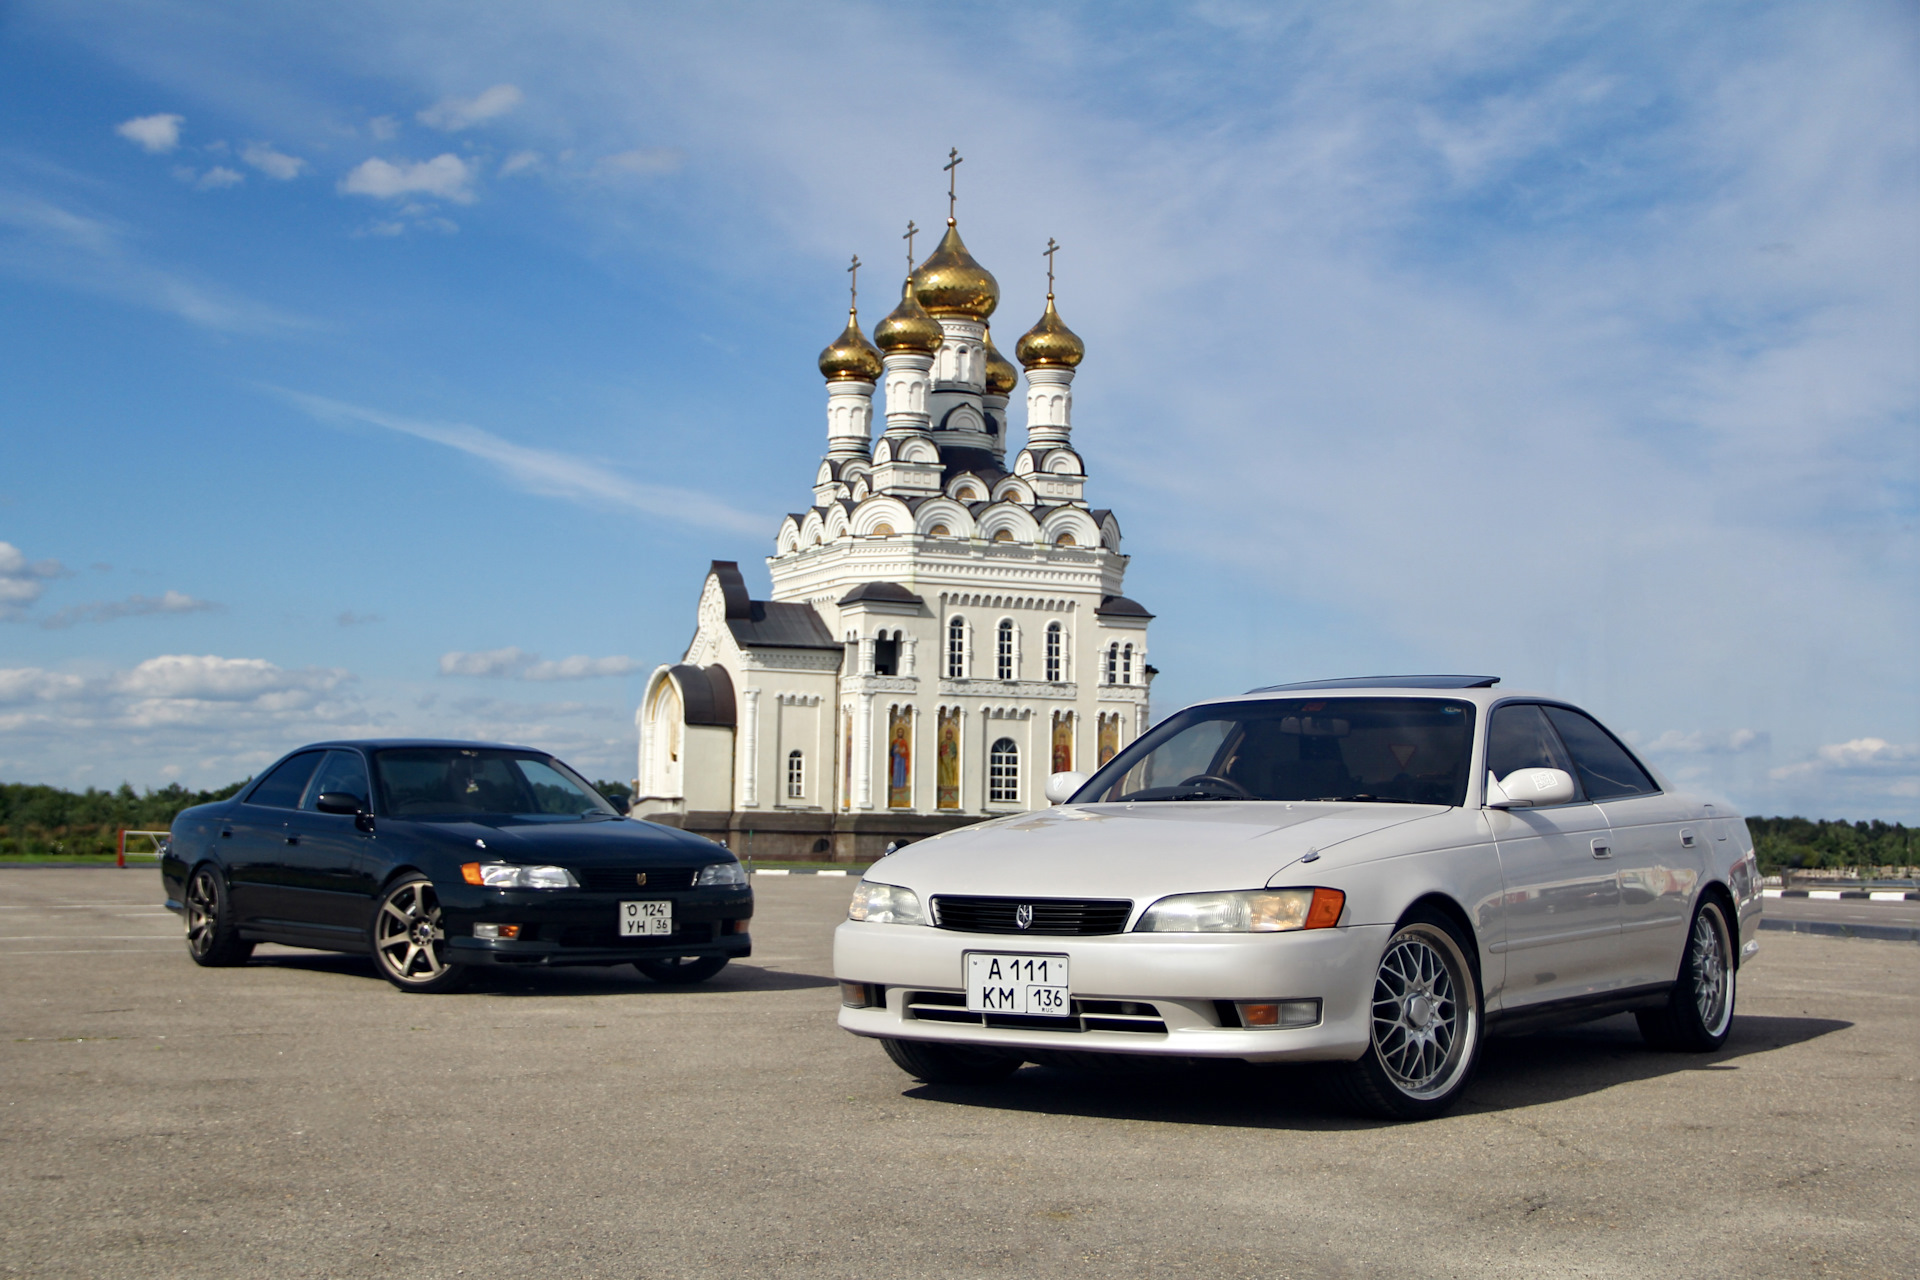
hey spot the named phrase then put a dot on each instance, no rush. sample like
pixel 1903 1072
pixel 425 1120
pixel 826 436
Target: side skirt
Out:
pixel 1533 1017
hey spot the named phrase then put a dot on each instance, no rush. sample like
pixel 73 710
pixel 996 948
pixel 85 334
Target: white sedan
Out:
pixel 1370 873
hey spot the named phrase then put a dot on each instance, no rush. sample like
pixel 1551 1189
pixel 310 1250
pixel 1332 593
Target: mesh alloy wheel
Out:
pixel 1426 1024
pixel 1698 1014
pixel 410 939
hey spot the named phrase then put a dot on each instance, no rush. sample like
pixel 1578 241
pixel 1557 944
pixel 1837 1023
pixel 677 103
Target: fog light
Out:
pixel 859 995
pixel 497 931
pixel 1279 1013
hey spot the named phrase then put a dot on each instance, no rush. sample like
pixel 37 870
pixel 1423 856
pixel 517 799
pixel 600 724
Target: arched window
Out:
pixel 1126 664
pixel 1056 652
pixel 882 530
pixel 1004 654
pixel 1003 535
pixel 796 775
pixel 939 531
pixel 1003 772
pixel 1113 664
pixel 957 649
pixel 1065 540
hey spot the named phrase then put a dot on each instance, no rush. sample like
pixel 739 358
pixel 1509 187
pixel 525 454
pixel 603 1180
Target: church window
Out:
pixel 886 655
pixel 1004 653
pixel 1065 540
pixel 882 530
pixel 796 775
pixel 1126 664
pixel 939 531
pixel 1113 664
pixel 1003 772
pixel 1003 535
pixel 1056 652
pixel 966 493
pixel 956 649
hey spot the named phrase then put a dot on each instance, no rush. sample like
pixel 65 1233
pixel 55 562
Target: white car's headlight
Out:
pixel 1244 911
pixel 506 875
pixel 885 904
pixel 720 873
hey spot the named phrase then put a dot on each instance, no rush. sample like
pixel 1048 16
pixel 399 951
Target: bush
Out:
pixel 46 822
pixel 1784 844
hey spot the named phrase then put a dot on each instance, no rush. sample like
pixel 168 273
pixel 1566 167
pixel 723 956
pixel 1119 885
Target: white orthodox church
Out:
pixel 945 629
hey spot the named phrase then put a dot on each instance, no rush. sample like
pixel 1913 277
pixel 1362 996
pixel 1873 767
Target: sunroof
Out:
pixel 1387 682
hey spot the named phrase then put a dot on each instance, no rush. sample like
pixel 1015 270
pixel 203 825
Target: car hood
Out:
pixel 1139 851
pixel 570 844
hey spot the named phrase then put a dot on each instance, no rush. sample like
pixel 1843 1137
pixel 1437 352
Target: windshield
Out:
pixel 1403 750
pixel 460 782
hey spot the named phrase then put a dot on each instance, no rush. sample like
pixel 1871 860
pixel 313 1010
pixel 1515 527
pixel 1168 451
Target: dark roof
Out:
pixel 1387 682
pixel 1121 607
pixel 767 624
pixel 706 694
pixel 880 592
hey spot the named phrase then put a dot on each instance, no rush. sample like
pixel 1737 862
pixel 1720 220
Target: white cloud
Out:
pixel 446 176
pixel 383 128
pixel 519 162
pixel 275 164
pixel 22 581
pixel 453 114
pixel 158 134
pixel 1869 775
pixel 136 606
pixel 544 472
pixel 179 676
pixel 645 162
pixel 1703 742
pixel 516 664
pixel 217 177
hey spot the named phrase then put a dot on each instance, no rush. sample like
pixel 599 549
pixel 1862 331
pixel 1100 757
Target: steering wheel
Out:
pixel 1215 780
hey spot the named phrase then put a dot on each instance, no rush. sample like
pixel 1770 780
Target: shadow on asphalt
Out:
pixel 1515 1071
pixel 616 980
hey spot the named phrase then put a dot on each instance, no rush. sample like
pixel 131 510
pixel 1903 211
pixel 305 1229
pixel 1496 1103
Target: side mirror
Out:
pixel 342 802
pixel 1061 786
pixel 1529 788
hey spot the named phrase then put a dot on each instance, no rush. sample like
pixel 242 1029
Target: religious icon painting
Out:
pixel 947 792
pixel 1109 735
pixel 1062 741
pixel 900 758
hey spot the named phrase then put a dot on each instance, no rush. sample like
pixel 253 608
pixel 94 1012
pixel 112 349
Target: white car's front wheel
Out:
pixel 1426 1024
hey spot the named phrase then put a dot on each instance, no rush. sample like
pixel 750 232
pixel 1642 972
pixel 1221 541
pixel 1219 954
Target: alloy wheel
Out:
pixel 409 936
pixel 1417 1017
pixel 1707 962
pixel 203 912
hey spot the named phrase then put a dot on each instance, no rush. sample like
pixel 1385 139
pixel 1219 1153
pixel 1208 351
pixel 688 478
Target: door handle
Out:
pixel 227 834
pixel 1601 849
pixel 1686 837
pixel 293 839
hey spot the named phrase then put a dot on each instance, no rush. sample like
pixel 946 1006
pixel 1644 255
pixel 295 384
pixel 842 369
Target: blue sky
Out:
pixel 398 369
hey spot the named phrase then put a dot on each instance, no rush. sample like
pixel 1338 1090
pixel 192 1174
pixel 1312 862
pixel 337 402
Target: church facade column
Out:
pixel 750 749
pixel 863 754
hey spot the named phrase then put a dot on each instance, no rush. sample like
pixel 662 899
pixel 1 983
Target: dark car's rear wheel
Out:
pixel 213 939
pixel 1699 1013
pixel 1426 1024
pixel 951 1063
pixel 681 968
pixel 410 939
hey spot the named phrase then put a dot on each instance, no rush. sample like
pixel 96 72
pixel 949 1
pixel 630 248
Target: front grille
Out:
pixel 1069 917
pixel 1088 1015
pixel 621 879
pixel 608 935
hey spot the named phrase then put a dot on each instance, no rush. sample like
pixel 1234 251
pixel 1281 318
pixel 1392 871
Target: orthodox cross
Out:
pixel 1048 253
pixel 954 161
pixel 853 284
pixel 912 231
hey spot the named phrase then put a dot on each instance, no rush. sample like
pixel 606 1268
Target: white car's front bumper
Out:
pixel 1181 975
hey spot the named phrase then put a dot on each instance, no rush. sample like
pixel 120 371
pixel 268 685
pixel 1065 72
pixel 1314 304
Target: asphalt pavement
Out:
pixel 299 1117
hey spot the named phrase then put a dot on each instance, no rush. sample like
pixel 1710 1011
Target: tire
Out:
pixel 409 939
pixel 213 939
pixel 1426 1025
pixel 1699 1013
pixel 951 1063
pixel 680 969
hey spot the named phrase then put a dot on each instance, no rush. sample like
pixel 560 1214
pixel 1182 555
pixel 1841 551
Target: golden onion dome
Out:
pixel 909 327
pixel 1001 375
pixel 951 283
pixel 851 358
pixel 1050 342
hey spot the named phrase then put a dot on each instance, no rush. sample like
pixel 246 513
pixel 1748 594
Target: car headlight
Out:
pixel 716 874
pixel 1245 911
pixel 885 904
pixel 505 875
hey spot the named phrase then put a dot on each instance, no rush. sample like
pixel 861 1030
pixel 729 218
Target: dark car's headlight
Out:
pixel 1244 911
pixel 506 875
pixel 720 875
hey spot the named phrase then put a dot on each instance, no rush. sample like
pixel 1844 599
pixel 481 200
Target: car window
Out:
pixel 1519 737
pixel 1606 770
pixel 282 788
pixel 1411 750
pixel 345 772
pixel 554 792
pixel 454 782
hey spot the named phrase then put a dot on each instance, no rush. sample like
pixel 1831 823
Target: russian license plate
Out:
pixel 1036 985
pixel 646 919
